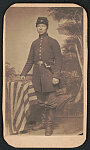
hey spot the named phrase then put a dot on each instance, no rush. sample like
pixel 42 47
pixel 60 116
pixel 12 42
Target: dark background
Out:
pixel 4 4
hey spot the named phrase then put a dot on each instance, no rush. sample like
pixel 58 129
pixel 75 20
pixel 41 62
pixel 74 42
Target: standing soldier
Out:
pixel 46 57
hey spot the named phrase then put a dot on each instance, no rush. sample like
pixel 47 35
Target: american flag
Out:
pixel 19 96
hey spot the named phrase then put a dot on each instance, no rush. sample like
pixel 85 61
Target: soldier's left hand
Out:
pixel 55 81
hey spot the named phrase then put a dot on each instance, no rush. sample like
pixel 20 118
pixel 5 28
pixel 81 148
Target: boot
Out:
pixel 41 125
pixel 49 124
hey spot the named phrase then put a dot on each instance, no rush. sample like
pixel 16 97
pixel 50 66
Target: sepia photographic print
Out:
pixel 45 75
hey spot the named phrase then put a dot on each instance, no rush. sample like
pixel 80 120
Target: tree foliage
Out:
pixel 10 71
pixel 69 13
pixel 70 23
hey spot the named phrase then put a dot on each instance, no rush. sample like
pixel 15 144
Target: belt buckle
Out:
pixel 40 63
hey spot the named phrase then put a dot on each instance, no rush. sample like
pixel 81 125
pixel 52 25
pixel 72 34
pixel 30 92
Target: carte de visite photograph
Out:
pixel 45 75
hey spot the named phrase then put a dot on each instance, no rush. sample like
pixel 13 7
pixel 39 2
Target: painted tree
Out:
pixel 70 23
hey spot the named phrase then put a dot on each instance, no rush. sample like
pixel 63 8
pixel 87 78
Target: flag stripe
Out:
pixel 15 90
pixel 19 93
pixel 31 94
pixel 8 93
pixel 16 96
pixel 27 107
pixel 20 124
pixel 32 98
pixel 19 116
pixel 31 90
pixel 23 122
pixel 19 96
pixel 26 101
pixel 19 110
pixel 11 96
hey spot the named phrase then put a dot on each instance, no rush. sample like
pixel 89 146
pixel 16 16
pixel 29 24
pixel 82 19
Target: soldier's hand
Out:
pixel 22 77
pixel 55 81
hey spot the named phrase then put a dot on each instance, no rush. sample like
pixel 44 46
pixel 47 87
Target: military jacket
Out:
pixel 44 49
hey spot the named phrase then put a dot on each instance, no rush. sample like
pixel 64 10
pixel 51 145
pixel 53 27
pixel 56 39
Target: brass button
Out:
pixel 40 47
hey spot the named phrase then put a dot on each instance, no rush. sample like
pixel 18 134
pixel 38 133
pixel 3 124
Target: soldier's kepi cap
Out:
pixel 42 20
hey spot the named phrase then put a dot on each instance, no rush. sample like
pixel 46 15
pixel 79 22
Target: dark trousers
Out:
pixel 47 99
pixel 48 102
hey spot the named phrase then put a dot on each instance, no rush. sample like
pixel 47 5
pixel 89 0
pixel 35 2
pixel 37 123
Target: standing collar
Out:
pixel 43 35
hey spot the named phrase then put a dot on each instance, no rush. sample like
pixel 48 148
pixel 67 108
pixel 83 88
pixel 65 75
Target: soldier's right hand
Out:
pixel 22 77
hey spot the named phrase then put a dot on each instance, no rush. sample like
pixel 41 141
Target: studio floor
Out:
pixel 64 126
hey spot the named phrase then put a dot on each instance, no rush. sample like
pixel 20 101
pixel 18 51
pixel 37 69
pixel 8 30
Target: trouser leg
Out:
pixel 50 110
pixel 50 122
pixel 41 100
pixel 48 103
pixel 42 124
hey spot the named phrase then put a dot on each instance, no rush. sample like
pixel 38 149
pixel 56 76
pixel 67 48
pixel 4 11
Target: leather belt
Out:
pixel 40 62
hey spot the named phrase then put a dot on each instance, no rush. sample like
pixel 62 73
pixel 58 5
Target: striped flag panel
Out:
pixel 19 96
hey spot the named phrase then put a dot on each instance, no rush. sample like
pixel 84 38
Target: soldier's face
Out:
pixel 41 28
